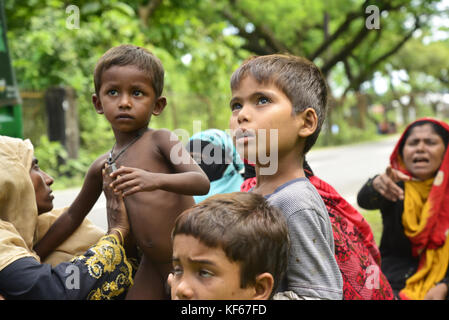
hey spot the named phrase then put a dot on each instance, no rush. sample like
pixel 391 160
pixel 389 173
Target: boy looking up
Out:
pixel 128 86
pixel 278 107
pixel 230 246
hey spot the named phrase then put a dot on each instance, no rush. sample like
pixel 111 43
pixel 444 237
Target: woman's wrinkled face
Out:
pixel 423 152
pixel 41 182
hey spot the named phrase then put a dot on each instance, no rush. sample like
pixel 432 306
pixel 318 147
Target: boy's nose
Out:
pixel 244 115
pixel 183 290
pixel 125 101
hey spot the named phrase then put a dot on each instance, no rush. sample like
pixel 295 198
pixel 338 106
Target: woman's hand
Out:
pixel 439 292
pixel 115 206
pixel 131 180
pixel 386 185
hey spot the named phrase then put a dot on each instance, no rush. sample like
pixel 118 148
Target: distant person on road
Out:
pixel 215 153
pixel 100 268
pixel 151 168
pixel 413 198
pixel 230 246
pixel 356 252
pixel 278 107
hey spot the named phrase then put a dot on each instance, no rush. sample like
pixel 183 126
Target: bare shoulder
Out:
pixel 164 139
pixel 164 136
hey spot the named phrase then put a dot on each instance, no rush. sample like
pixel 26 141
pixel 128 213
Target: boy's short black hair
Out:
pixel 300 80
pixel 246 227
pixel 130 55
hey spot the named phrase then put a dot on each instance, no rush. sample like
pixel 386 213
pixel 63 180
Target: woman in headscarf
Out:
pixel 413 198
pixel 102 272
pixel 215 153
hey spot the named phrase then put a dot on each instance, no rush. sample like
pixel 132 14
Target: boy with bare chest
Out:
pixel 155 174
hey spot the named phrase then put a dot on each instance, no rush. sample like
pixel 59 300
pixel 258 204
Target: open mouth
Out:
pixel 420 160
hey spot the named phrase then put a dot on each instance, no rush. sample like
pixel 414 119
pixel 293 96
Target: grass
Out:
pixel 374 219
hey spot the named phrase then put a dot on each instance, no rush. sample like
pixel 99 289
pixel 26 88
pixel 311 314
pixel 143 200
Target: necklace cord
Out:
pixel 112 160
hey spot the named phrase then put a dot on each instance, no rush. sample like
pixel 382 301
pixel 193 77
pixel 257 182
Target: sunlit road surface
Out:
pixel 346 168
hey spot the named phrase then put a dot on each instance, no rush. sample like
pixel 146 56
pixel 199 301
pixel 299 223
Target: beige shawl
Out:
pixel 20 226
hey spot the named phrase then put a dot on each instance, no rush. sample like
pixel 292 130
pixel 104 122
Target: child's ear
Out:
pixel 264 286
pixel 97 104
pixel 160 104
pixel 308 122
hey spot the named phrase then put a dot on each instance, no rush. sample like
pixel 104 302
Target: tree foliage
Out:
pixel 201 42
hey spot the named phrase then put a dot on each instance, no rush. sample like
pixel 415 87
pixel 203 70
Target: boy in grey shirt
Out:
pixel 278 107
pixel 309 275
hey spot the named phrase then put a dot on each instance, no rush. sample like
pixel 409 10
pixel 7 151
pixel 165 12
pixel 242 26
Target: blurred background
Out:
pixel 386 63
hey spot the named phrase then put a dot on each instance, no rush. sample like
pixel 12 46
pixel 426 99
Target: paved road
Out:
pixel 346 168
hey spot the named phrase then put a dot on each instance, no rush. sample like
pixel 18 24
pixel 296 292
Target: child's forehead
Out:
pixel 250 82
pixel 113 71
pixel 196 248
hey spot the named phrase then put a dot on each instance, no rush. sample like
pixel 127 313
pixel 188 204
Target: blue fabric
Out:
pixel 231 179
pixel 230 182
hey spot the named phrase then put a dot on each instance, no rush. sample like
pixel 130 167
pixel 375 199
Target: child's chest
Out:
pixel 146 155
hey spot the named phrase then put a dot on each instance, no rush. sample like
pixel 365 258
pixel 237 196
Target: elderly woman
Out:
pixel 413 198
pixel 102 272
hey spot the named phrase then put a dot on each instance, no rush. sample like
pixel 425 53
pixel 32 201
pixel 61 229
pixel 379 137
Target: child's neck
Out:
pixel 123 138
pixel 288 170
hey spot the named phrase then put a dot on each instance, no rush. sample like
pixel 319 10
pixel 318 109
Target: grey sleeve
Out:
pixel 312 269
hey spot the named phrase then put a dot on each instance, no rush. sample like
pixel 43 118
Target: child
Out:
pixel 230 246
pixel 128 86
pixel 286 95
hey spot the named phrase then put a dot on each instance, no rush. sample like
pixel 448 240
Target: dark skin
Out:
pixel 157 182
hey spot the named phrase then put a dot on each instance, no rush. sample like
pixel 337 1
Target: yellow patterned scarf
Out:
pixel 433 263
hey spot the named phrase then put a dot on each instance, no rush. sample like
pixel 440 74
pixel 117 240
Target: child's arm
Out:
pixel 70 219
pixel 189 178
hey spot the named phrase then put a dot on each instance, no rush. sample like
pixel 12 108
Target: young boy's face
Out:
pixel 204 273
pixel 127 99
pixel 258 106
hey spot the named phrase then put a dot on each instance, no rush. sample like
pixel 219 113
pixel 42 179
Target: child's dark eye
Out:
pixel 112 93
pixel 236 106
pixel 138 93
pixel 263 100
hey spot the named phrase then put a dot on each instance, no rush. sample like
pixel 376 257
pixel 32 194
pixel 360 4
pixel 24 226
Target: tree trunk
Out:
pixel 362 107
pixel 62 118
pixel 71 118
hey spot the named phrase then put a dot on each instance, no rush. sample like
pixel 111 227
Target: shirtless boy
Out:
pixel 157 187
